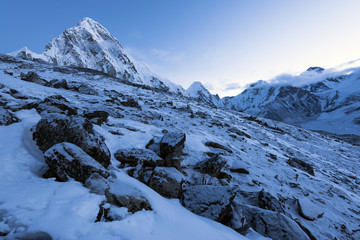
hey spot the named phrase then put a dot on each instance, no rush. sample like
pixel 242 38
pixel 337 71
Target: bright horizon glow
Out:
pixel 223 44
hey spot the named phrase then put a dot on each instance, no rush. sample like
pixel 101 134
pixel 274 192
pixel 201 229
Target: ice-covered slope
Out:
pixel 243 171
pixel 90 45
pixel 317 99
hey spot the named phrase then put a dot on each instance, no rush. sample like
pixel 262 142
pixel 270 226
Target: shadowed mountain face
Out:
pixel 326 101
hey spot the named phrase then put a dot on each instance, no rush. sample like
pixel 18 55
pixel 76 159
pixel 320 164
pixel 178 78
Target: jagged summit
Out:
pixel 199 92
pixel 90 45
pixel 315 69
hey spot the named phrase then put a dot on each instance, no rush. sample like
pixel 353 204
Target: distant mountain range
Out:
pixel 317 99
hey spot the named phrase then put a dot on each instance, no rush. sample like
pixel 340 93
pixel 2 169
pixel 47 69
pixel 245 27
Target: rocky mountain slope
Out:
pixel 90 45
pixel 317 99
pixel 85 155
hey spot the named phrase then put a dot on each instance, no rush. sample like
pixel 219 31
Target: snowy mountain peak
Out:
pixel 26 53
pixel 315 69
pixel 199 92
pixel 90 45
pixel 195 88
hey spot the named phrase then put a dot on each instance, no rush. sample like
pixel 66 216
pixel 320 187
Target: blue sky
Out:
pixel 224 44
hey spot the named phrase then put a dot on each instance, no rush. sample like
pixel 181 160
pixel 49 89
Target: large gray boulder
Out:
pixel 123 195
pixel 68 160
pixel 57 128
pixel 208 201
pixel 267 223
pixel 166 181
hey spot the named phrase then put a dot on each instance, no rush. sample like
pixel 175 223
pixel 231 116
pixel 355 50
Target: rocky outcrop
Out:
pixel 267 223
pixel 57 128
pixel 167 181
pixel 68 160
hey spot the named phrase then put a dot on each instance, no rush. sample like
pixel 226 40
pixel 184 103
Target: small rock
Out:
pixel 68 160
pixel 56 83
pixel 81 88
pixel 212 166
pixel 166 181
pixel 131 102
pixel 239 132
pixel 97 117
pixel 309 210
pixel 299 164
pixel 218 146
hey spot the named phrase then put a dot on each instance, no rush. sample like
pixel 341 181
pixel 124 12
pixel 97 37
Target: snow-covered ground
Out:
pixel 67 210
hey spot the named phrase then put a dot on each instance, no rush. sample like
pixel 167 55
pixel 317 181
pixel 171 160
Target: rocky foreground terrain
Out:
pixel 86 155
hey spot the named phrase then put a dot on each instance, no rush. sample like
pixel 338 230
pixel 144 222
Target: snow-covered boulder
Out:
pixel 309 210
pixel 123 195
pixel 97 184
pixel 208 201
pixel 172 144
pixel 68 160
pixel 134 156
pixel 57 128
pixel 166 181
